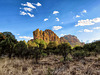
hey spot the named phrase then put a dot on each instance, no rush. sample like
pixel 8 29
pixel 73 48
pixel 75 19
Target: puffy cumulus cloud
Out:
pixel 88 22
pixel 62 35
pixel 96 20
pixel 31 15
pixel 25 37
pixel 77 16
pixel 28 4
pixel 27 9
pixel 38 4
pixel 55 12
pixel 23 13
pixel 56 27
pixel 45 19
pixel 57 19
pixel 96 28
pixel 86 30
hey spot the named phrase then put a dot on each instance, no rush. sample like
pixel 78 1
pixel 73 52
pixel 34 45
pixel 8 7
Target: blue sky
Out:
pixel 76 17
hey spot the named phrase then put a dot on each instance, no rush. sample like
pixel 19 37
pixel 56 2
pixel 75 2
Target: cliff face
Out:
pixel 47 36
pixel 73 40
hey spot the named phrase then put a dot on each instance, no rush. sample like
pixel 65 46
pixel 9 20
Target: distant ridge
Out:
pixel 73 40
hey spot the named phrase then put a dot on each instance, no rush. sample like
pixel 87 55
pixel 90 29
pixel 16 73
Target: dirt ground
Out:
pixel 51 65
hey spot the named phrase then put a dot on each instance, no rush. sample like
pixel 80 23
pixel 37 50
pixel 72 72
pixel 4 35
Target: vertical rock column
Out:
pixel 36 34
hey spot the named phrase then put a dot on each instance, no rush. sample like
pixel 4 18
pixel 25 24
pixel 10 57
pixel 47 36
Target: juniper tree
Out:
pixel 65 49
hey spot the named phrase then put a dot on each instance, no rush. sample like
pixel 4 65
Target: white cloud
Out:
pixel 94 39
pixel 80 31
pixel 57 27
pixel 57 19
pixel 25 37
pixel 45 19
pixel 23 13
pixel 96 20
pixel 84 11
pixel 88 22
pixel 81 13
pixel 28 4
pixel 86 30
pixel 62 34
pixel 96 28
pixel 31 15
pixel 55 12
pixel 18 34
pixel 77 16
pixel 84 22
pixel 27 9
pixel 38 4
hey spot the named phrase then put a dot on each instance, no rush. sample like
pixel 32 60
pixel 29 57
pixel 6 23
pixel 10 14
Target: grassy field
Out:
pixel 51 65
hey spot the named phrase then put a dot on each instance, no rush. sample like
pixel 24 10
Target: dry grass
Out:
pixel 50 65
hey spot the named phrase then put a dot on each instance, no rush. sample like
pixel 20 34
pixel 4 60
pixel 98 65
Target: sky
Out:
pixel 76 17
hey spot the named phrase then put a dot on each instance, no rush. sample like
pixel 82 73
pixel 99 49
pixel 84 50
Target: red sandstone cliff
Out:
pixel 47 36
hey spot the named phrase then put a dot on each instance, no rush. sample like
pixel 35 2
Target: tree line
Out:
pixel 36 49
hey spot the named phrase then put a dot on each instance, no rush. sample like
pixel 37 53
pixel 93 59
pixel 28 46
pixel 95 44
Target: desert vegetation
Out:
pixel 36 57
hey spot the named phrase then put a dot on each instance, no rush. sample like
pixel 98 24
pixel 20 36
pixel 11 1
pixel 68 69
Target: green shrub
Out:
pixel 80 54
pixel 44 54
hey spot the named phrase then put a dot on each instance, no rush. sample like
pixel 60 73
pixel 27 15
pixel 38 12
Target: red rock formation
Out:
pixel 47 36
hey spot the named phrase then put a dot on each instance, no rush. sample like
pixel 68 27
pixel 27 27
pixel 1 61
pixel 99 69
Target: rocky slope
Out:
pixel 47 36
pixel 73 40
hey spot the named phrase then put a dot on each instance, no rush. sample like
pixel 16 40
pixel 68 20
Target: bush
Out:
pixel 7 46
pixel 44 54
pixel 21 49
pixel 80 54
pixel 37 54
pixel 64 50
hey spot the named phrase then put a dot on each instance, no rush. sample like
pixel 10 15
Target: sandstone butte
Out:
pixel 47 36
